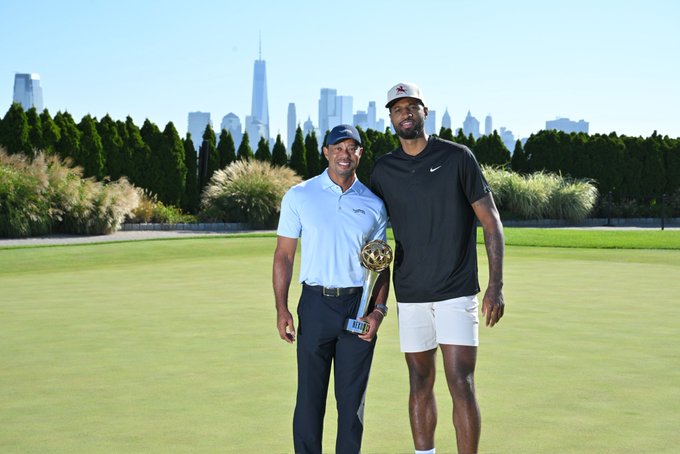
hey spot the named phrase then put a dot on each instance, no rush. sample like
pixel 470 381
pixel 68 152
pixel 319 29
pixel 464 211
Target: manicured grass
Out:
pixel 593 238
pixel 171 346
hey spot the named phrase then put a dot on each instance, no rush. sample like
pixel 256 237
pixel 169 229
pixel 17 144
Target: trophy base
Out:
pixel 356 326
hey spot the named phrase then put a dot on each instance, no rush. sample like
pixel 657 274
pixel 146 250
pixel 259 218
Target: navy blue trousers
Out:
pixel 322 341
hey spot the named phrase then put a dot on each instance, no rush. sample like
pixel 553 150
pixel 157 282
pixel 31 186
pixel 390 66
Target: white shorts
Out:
pixel 423 326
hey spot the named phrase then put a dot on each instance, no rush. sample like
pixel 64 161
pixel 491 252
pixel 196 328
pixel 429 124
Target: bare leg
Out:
pixel 459 366
pixel 422 407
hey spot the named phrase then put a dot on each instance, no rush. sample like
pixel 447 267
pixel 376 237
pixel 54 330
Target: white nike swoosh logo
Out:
pixel 434 169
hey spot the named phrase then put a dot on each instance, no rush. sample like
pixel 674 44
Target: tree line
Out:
pixel 168 166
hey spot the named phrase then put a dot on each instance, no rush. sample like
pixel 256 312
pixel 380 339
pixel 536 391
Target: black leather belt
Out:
pixel 329 291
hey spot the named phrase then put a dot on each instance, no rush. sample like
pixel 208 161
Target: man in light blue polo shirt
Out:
pixel 334 215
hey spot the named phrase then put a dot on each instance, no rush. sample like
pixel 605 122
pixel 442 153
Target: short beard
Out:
pixel 413 133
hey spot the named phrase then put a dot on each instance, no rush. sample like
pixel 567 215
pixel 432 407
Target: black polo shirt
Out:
pixel 428 199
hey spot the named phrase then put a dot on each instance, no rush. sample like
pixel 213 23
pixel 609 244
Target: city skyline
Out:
pixel 610 64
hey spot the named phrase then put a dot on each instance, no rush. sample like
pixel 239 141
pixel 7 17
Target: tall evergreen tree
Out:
pixel 392 139
pixel 153 169
pixel 518 162
pixel 112 146
pixel 69 138
pixel 312 155
pixel 324 161
pixel 134 151
pixel 226 149
pixel 210 148
pixel 262 153
pixel 366 162
pixel 279 155
pixel 191 198
pixel 491 150
pixel 35 131
pixel 653 171
pixel 446 133
pixel 244 153
pixel 14 134
pixel 672 164
pixel 91 148
pixel 50 132
pixel 297 154
pixel 173 166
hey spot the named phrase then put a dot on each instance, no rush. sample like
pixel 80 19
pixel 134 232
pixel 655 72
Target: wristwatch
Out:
pixel 382 309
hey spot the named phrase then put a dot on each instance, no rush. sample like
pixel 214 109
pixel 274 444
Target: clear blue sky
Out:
pixel 615 64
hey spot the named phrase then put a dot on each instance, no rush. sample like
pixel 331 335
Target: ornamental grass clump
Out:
pixel 24 208
pixel 248 192
pixel 541 195
pixel 46 194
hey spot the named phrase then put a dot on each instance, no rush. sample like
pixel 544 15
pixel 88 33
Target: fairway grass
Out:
pixel 171 346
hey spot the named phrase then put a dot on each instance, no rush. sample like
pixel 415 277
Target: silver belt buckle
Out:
pixel 331 292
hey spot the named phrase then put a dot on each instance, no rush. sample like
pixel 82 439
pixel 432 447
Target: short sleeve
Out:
pixel 289 220
pixel 474 184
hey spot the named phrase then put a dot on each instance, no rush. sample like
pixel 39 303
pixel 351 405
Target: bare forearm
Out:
pixel 382 287
pixel 281 278
pixel 494 240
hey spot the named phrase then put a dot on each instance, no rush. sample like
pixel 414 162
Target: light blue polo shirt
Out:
pixel 333 227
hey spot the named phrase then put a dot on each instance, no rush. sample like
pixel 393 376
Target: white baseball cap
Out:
pixel 404 90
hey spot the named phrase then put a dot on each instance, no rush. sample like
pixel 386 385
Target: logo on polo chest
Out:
pixel 358 210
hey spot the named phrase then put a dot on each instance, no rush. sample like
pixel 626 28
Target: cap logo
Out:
pixel 400 90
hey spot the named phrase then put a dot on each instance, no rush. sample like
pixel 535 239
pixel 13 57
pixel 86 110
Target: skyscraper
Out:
pixel 508 139
pixel 360 119
pixel 326 108
pixel 471 126
pixel 257 123
pixel 292 125
pixel 232 123
pixel 446 119
pixel 27 91
pixel 197 123
pixel 488 125
pixel 371 115
pixel 308 128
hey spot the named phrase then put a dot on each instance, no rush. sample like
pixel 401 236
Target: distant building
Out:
pixel 327 108
pixel 232 123
pixel 471 126
pixel 292 125
pixel 446 119
pixel 360 119
pixel 371 114
pixel 508 139
pixel 197 123
pixel 308 128
pixel 431 122
pixel 257 123
pixel 488 125
pixel 566 125
pixel 27 91
pixel 333 109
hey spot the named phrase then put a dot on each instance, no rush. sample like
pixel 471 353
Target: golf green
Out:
pixel 171 346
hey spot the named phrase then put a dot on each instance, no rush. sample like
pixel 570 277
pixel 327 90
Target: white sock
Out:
pixel 429 451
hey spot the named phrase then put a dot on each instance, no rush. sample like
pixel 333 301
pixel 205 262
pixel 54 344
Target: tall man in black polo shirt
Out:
pixel 433 190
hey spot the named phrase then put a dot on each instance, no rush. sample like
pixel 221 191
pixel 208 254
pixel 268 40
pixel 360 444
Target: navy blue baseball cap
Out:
pixel 342 132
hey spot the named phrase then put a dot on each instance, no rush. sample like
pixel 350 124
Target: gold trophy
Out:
pixel 375 256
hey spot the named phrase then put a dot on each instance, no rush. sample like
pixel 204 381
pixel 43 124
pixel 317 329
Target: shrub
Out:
pixel 151 210
pixel 45 194
pixel 24 211
pixel 246 191
pixel 541 195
